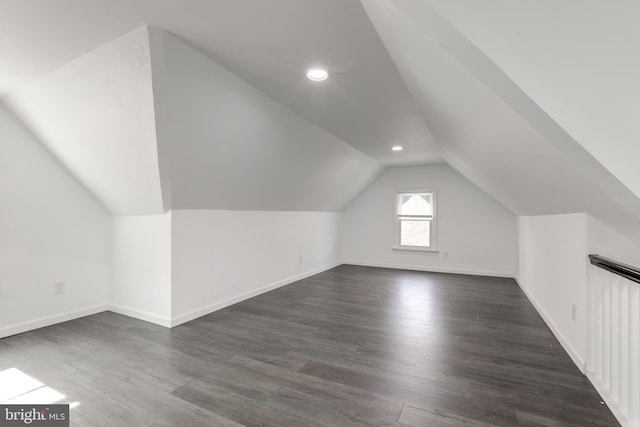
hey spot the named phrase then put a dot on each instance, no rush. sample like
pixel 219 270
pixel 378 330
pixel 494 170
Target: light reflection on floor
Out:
pixel 415 298
pixel 16 387
pixel 410 318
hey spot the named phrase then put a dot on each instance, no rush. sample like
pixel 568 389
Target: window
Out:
pixel 415 212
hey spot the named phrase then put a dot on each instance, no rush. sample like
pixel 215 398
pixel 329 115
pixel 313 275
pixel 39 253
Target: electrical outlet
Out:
pixel 58 287
pixel 299 259
pixel 446 254
pixel 573 312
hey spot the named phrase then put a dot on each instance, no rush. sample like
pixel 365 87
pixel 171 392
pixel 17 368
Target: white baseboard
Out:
pixel 50 320
pixel 611 403
pixel 141 315
pixel 153 318
pixel 431 269
pixel 183 318
pixel 580 363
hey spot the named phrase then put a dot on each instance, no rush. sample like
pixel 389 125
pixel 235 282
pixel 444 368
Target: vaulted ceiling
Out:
pixel 494 132
pixel 269 44
pixel 208 107
pixel 576 59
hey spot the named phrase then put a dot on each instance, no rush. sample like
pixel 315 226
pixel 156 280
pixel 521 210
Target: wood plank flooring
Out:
pixel 353 346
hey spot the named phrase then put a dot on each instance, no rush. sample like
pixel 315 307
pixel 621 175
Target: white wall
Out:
pixel 51 228
pixel 603 240
pixel 478 234
pixel 553 274
pixel 613 364
pixel 141 267
pixel 222 257
pixel 553 270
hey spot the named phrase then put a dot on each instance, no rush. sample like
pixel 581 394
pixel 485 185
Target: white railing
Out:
pixel 613 361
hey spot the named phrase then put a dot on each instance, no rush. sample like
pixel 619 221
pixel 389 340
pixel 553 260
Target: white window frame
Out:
pixel 432 218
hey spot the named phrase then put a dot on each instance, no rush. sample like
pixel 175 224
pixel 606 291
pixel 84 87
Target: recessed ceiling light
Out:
pixel 317 74
pixel 397 148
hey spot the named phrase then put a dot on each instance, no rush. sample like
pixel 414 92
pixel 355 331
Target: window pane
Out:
pixel 415 204
pixel 415 233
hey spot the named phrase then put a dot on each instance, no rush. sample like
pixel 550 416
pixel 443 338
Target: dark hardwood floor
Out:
pixel 354 346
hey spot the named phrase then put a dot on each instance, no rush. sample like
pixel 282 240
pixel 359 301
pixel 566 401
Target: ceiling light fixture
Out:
pixel 397 148
pixel 317 74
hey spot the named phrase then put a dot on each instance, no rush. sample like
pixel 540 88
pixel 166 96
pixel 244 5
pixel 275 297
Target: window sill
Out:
pixel 415 249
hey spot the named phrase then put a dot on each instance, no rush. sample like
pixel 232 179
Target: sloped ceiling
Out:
pixel 149 124
pixel 233 147
pixel 577 59
pixel 489 129
pixel 239 127
pixel 269 44
pixel 218 113
pixel 96 115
